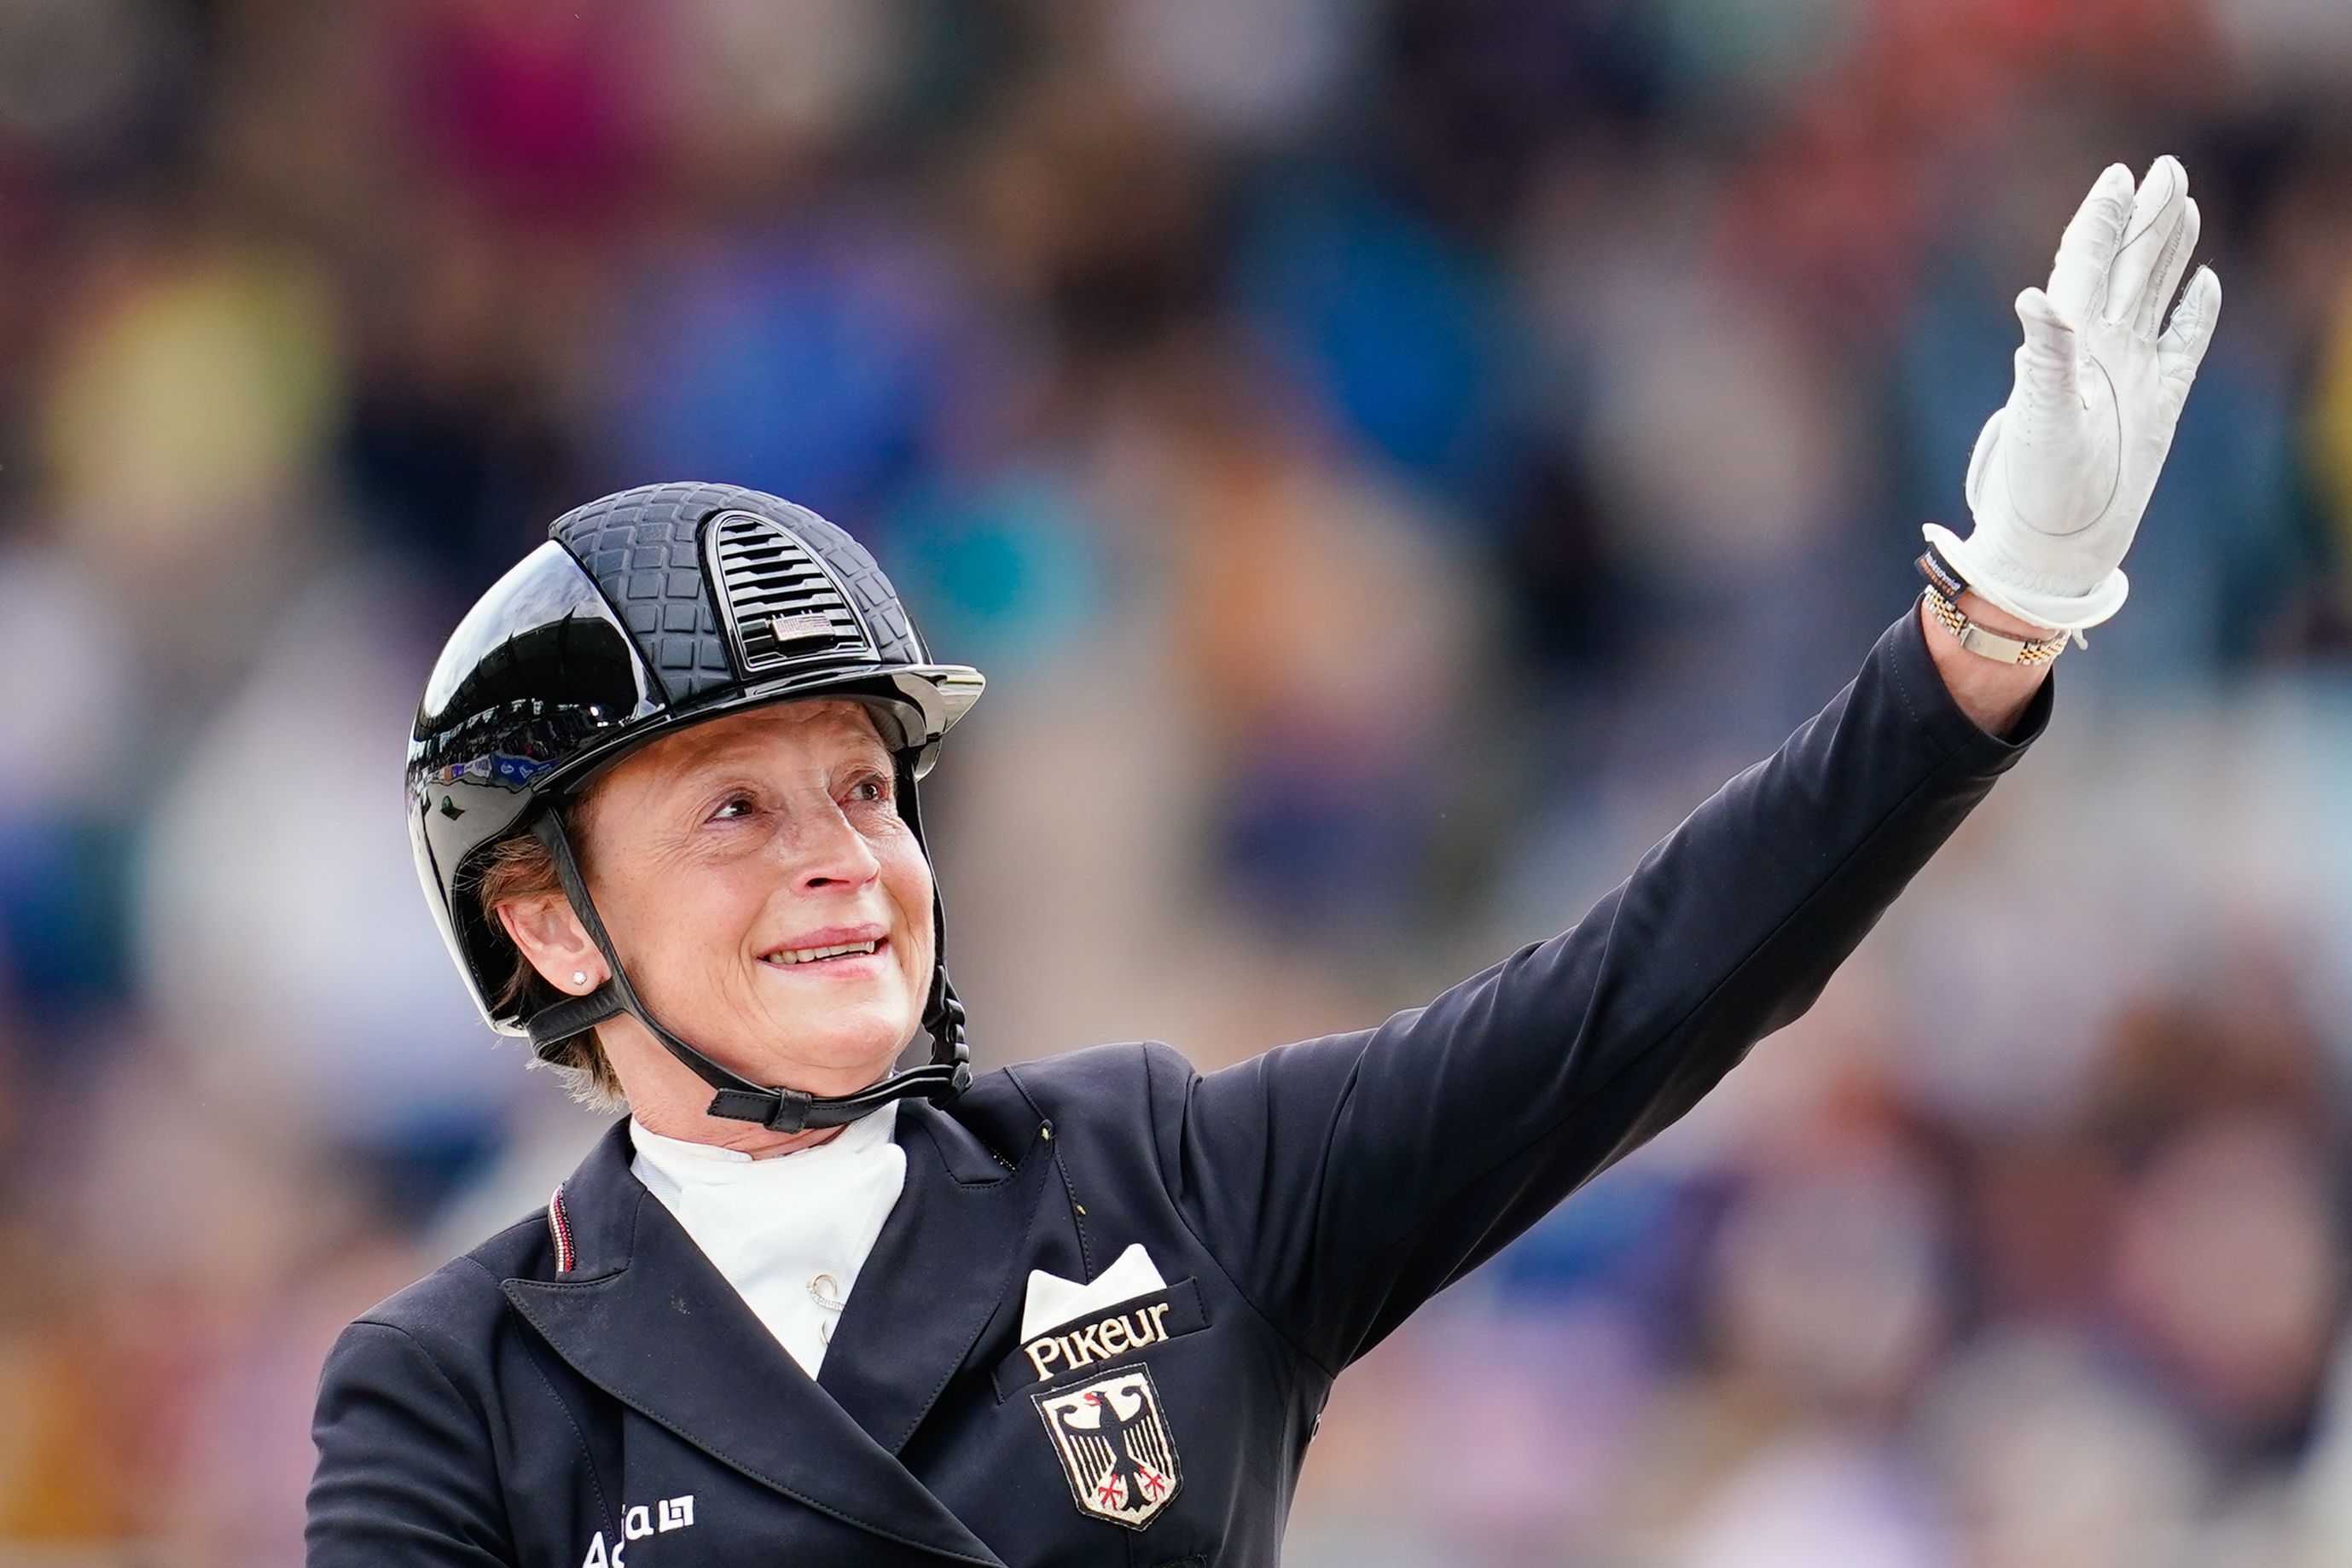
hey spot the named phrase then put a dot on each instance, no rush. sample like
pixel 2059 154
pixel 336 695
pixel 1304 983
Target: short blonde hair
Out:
pixel 522 867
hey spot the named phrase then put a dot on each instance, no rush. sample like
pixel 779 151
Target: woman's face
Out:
pixel 772 907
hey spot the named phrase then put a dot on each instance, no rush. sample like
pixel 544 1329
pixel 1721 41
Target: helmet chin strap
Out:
pixel 947 1075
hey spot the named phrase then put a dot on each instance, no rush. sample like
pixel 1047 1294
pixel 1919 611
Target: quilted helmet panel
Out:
pixel 644 549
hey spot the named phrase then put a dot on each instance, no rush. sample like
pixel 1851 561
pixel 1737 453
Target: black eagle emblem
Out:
pixel 1142 1484
pixel 1113 1440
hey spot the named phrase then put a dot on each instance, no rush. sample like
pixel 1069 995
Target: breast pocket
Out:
pixel 1102 1414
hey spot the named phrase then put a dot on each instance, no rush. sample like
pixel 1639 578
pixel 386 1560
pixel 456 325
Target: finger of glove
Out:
pixel 2046 362
pixel 2148 236
pixel 2182 348
pixel 2086 252
pixel 1980 458
pixel 2166 281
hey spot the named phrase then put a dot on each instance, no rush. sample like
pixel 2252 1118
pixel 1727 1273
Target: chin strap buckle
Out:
pixel 791 1111
pixel 777 1110
pixel 795 1111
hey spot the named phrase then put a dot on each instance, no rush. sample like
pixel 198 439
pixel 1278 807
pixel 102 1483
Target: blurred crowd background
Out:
pixel 1393 459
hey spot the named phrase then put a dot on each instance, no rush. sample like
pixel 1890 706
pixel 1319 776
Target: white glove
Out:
pixel 2060 475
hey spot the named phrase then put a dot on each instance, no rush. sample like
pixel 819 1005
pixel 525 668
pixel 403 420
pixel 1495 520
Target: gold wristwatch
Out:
pixel 1945 586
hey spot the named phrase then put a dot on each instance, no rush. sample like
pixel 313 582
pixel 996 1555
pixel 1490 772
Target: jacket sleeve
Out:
pixel 1342 1182
pixel 406 1474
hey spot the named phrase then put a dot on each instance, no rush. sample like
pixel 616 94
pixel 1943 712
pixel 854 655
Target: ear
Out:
pixel 548 931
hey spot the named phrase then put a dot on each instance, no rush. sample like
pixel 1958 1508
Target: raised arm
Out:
pixel 1343 1180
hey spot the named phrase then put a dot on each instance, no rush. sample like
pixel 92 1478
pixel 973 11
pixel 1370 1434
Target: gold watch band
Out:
pixel 1988 644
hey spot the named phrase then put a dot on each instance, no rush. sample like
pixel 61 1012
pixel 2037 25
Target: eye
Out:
pixel 732 807
pixel 870 788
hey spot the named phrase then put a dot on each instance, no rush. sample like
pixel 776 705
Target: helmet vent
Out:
pixel 782 605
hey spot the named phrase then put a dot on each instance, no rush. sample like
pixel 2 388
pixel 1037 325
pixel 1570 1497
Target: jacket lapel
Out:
pixel 644 1315
pixel 944 1268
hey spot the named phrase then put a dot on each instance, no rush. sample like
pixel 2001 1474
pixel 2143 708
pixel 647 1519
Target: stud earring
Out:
pixel 579 978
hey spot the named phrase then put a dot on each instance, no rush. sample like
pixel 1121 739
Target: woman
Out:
pixel 801 1307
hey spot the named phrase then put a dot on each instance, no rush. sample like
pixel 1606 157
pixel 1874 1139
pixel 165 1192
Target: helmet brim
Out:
pixel 915 705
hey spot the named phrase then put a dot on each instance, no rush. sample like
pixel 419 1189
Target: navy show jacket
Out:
pixel 584 1388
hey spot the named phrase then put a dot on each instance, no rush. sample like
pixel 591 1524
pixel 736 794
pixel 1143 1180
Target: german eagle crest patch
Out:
pixel 1113 1440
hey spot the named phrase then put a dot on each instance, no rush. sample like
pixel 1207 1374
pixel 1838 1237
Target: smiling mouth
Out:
pixel 794 957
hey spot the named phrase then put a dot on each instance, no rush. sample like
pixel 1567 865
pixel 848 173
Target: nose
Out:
pixel 826 850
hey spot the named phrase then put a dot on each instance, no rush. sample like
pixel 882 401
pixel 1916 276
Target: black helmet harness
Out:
pixel 648 611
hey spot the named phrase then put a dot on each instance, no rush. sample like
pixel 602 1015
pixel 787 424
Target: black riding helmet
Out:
pixel 646 611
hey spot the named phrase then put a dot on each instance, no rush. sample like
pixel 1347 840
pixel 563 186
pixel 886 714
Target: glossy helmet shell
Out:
pixel 645 612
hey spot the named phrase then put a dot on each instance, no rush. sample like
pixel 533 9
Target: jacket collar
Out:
pixel 645 1316
pixel 941 1272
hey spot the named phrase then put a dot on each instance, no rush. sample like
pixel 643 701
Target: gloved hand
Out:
pixel 2060 475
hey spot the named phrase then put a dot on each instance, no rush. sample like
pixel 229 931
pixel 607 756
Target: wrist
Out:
pixel 1993 619
pixel 1978 623
pixel 1994 693
pixel 1986 642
